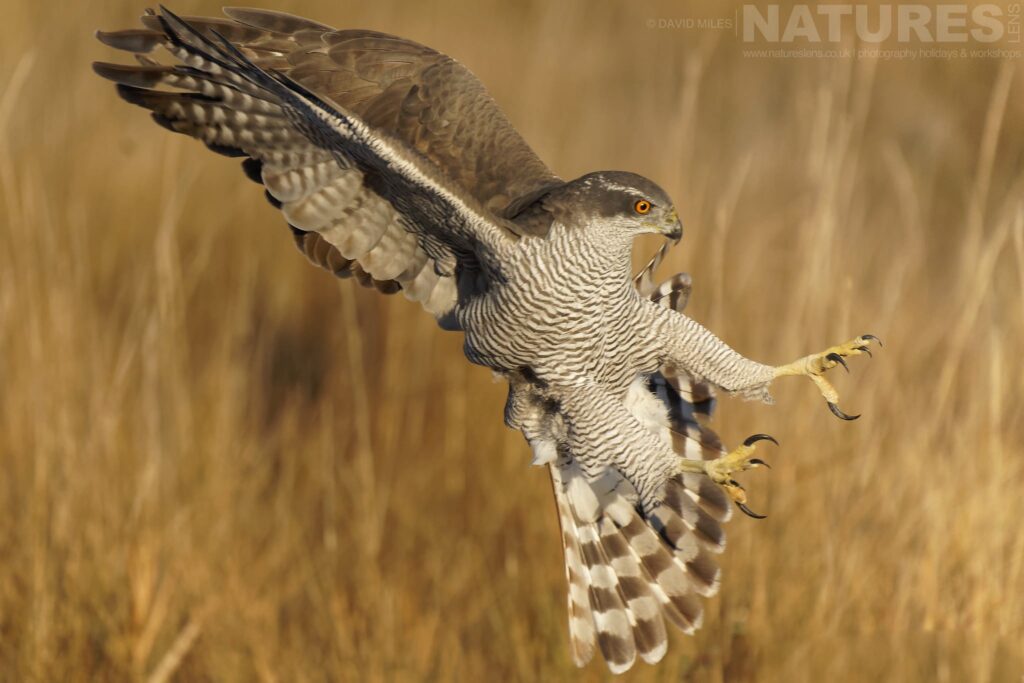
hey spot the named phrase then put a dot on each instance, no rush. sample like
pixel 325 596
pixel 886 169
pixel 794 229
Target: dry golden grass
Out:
pixel 219 464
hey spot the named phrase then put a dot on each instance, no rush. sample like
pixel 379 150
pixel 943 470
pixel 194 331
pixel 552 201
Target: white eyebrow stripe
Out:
pixel 620 188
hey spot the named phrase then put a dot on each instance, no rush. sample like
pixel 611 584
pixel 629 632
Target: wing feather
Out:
pixel 391 153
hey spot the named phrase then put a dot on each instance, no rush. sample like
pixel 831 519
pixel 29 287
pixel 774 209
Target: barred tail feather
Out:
pixel 627 574
pixel 634 585
pixel 612 617
pixel 582 636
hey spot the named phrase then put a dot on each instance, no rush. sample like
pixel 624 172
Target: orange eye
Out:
pixel 642 206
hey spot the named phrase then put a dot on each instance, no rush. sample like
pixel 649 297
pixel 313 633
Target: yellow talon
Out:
pixel 815 366
pixel 720 470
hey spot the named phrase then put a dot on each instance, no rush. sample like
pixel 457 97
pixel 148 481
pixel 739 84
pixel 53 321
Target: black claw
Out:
pixel 754 438
pixel 733 482
pixel 838 359
pixel 759 461
pixel 840 414
pixel 748 512
pixel 865 350
pixel 871 336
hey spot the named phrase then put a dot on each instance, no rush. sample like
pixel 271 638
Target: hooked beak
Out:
pixel 674 228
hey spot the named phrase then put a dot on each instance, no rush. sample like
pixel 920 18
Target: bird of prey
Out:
pixel 392 165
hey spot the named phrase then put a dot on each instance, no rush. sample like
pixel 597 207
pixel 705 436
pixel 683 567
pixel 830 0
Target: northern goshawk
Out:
pixel 392 165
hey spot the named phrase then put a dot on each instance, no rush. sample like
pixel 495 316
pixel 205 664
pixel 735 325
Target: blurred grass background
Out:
pixel 219 464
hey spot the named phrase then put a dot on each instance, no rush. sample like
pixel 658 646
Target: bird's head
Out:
pixel 627 203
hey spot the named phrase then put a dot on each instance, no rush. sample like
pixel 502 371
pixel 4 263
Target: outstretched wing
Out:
pixel 389 160
pixel 629 573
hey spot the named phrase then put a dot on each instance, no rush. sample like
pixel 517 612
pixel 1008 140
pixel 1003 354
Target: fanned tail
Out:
pixel 628 573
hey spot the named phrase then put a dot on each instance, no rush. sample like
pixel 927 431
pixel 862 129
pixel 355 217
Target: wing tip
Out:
pixel 138 75
pixel 137 40
pixel 132 94
pixel 105 69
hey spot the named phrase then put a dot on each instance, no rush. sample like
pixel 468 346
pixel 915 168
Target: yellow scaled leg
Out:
pixel 720 470
pixel 815 365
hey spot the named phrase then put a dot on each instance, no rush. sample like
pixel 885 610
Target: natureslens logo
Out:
pixel 834 23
